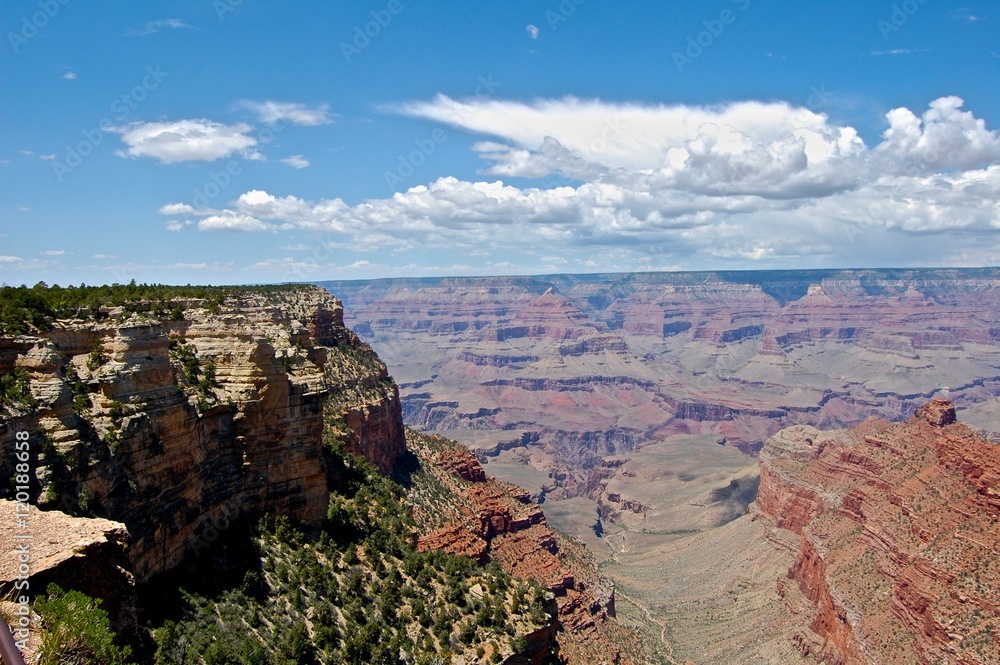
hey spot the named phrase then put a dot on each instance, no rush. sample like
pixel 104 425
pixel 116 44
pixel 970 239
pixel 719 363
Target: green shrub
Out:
pixel 96 358
pixel 15 389
pixel 77 631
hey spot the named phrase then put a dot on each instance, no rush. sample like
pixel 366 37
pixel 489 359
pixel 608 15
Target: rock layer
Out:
pixel 131 423
pixel 595 365
pixel 898 527
pixel 490 520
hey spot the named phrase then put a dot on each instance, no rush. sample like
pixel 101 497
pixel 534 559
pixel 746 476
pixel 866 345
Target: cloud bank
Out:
pixel 747 183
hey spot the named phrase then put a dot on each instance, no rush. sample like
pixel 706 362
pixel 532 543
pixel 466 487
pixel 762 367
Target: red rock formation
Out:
pixel 899 525
pixel 495 521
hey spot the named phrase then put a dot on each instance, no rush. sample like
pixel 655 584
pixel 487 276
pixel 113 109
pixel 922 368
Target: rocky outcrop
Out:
pixel 90 555
pixel 178 427
pixel 490 520
pixel 898 525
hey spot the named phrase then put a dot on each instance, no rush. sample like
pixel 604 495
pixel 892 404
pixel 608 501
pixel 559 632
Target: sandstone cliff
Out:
pixel 898 527
pixel 178 426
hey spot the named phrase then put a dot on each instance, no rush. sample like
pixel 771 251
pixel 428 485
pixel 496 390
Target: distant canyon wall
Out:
pixel 586 366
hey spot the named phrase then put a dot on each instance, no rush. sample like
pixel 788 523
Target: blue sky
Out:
pixel 242 141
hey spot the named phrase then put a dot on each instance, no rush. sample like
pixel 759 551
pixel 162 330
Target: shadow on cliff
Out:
pixel 735 498
pixel 407 465
pixel 230 559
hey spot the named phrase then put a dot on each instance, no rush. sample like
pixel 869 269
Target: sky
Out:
pixel 257 141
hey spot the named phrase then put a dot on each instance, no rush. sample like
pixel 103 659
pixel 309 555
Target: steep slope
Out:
pixel 189 421
pixel 463 512
pixel 898 526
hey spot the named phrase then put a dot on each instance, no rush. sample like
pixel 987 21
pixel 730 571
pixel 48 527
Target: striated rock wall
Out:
pixel 899 525
pixel 176 428
pixel 734 355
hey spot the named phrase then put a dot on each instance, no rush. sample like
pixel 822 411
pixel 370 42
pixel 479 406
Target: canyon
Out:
pixel 152 434
pixel 556 373
pixel 633 407
pixel 719 468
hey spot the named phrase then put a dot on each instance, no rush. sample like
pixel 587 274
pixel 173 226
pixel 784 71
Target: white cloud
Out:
pixel 533 31
pixel 176 209
pixel 23 209
pixel 54 252
pixel 272 112
pixel 186 140
pixel 586 138
pixel 47 157
pixel 748 184
pixel 295 161
pixel 156 26
pixel 69 76
pixel 228 220
pixel 944 138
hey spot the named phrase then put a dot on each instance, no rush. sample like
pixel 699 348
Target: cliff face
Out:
pixel 177 427
pixel 898 525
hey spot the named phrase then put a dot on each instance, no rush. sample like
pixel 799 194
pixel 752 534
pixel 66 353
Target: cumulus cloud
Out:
pixel 296 161
pixel 943 138
pixel 272 112
pixel 69 76
pixel 228 220
pixel 747 183
pixel 176 209
pixel 186 140
pixel 533 31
